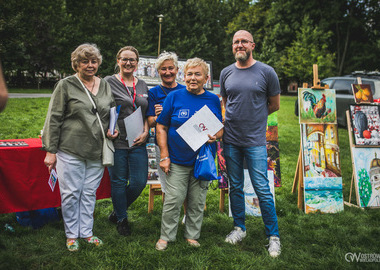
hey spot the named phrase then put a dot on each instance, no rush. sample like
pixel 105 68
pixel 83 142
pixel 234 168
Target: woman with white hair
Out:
pixel 177 158
pixel 167 67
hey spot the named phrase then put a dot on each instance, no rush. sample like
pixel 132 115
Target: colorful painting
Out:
pixel 272 133
pixel 221 166
pixel 274 161
pixel 322 171
pixel 365 121
pixel 273 149
pixel 323 194
pixel 320 150
pixel 367 176
pixel 252 207
pixel 316 106
pixel 362 93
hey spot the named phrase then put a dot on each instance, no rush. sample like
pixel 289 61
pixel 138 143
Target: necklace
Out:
pixel 92 88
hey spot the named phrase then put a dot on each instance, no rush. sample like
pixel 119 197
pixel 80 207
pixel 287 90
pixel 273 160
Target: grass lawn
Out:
pixel 314 241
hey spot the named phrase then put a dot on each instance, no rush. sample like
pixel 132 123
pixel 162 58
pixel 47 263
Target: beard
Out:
pixel 242 56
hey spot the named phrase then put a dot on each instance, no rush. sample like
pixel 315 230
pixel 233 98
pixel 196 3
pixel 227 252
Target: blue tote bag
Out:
pixel 204 168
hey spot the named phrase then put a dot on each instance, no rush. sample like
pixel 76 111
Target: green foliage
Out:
pixel 365 188
pixel 310 47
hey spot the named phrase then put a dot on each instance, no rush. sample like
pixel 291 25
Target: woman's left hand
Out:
pixel 212 138
pixel 141 139
pixel 114 136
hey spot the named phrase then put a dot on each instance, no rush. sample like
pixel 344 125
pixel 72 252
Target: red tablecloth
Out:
pixel 24 179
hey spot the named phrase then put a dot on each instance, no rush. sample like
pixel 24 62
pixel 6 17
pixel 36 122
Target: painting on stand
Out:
pixel 316 106
pixel 365 121
pixel 321 168
pixel 273 149
pixel 362 93
pixel 367 176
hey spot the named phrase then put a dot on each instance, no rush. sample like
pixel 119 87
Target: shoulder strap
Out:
pixel 93 104
pixel 163 90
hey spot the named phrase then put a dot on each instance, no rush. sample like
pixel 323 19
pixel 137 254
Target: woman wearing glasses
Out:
pixel 129 173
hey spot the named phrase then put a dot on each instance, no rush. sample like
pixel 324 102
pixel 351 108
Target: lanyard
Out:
pixel 134 90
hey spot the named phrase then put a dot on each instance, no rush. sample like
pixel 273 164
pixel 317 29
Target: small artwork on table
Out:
pixel 362 93
pixel 365 121
pixel 367 176
pixel 13 144
pixel 316 106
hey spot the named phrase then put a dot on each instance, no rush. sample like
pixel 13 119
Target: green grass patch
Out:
pixel 30 91
pixel 314 241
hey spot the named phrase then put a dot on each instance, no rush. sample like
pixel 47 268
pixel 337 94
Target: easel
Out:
pixel 154 190
pixel 298 177
pixel 352 146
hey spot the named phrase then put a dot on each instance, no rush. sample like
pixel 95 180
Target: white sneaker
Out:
pixel 236 235
pixel 274 246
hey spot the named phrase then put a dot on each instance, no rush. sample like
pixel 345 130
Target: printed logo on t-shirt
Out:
pixel 183 113
pixel 143 95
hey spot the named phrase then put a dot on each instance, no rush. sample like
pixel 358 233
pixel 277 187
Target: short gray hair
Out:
pixel 194 62
pixel 85 51
pixel 167 56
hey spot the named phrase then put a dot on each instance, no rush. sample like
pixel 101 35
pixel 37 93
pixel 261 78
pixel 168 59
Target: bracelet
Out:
pixel 162 159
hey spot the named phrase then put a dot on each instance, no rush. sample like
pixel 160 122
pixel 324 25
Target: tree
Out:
pixel 309 47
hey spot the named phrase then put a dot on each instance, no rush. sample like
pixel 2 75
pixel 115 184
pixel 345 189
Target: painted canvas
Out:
pixel 273 152
pixel 316 106
pixel 221 166
pixel 322 171
pixel 323 194
pixel 365 121
pixel 153 176
pixel 320 150
pixel 252 207
pixel 273 149
pixel 367 176
pixel 362 93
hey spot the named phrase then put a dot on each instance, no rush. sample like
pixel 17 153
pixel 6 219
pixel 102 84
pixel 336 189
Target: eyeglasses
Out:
pixel 131 60
pixel 243 42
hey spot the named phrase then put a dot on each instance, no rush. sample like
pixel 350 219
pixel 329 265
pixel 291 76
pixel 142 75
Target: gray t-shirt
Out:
pixel 124 99
pixel 247 91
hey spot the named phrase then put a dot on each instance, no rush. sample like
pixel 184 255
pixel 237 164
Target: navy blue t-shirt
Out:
pixel 247 91
pixel 178 107
pixel 157 96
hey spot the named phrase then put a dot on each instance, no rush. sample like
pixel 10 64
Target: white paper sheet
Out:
pixel 134 125
pixel 195 130
pixel 114 114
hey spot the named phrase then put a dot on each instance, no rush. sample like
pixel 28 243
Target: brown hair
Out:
pixel 85 51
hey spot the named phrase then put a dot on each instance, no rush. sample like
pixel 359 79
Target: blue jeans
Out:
pixel 256 159
pixel 128 178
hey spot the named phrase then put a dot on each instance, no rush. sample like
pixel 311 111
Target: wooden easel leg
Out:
pixel 222 196
pixel 352 183
pixel 151 199
pixel 295 182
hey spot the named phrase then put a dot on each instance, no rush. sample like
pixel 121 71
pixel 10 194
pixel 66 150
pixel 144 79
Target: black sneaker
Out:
pixel 123 227
pixel 112 217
